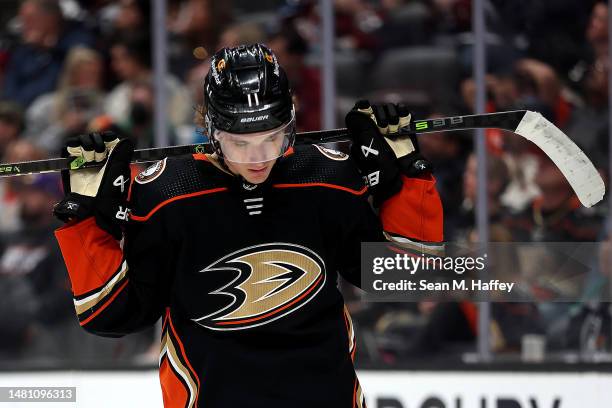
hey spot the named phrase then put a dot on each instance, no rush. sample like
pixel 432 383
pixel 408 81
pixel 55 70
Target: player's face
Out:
pixel 252 155
pixel 255 147
pixel 254 173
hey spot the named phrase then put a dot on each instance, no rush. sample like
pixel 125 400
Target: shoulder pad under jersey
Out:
pixel 171 178
pixel 319 165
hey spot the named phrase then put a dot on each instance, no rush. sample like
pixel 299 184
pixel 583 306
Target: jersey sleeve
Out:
pixel 412 219
pixel 117 290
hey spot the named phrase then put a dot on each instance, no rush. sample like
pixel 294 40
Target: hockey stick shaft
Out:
pixel 500 120
pixel 573 163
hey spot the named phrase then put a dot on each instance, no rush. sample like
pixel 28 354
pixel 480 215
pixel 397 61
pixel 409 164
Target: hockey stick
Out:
pixel 573 163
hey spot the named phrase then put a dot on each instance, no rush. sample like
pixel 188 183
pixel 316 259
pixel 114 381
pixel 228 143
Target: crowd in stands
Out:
pixel 74 66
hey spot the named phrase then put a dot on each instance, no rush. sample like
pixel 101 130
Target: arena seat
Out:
pixel 431 69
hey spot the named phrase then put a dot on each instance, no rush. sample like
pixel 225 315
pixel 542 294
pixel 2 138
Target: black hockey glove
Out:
pixel 382 155
pixel 98 192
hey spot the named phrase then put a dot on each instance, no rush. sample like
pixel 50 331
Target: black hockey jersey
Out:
pixel 244 276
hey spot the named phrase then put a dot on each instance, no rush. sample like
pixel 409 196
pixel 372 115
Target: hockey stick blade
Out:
pixel 573 163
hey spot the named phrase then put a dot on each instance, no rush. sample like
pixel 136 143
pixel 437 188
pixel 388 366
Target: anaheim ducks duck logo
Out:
pixel 151 173
pixel 331 153
pixel 273 280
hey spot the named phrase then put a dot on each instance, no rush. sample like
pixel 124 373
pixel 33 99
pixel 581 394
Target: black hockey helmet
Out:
pixel 247 92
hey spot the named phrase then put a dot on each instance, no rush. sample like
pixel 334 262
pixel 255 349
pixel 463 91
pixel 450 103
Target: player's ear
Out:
pixel 295 102
pixel 199 115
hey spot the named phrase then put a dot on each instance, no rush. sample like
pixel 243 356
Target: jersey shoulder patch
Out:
pixel 152 172
pixel 331 153
pixel 320 165
pixel 169 179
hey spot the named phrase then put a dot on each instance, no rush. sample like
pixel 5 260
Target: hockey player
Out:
pixel 239 251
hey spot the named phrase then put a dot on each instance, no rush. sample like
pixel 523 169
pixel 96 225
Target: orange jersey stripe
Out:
pixel 165 319
pixel 180 343
pixel 200 156
pixel 289 152
pixel 180 197
pixel 105 305
pixel 173 391
pixel 337 187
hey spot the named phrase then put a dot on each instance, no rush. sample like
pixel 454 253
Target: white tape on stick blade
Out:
pixel 573 163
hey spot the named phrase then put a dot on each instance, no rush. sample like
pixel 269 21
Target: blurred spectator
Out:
pixel 468 92
pixel 587 328
pixel 15 152
pixel 548 98
pixel 597 30
pixel 407 23
pixel 201 23
pixel 588 126
pixel 447 151
pixel 449 329
pixel 530 85
pixel 131 61
pixel 290 49
pixel 302 15
pixel 503 40
pixel 78 98
pixel 528 93
pixel 198 22
pixel 356 22
pixel 37 321
pixel 241 33
pixel 7 41
pixel 35 294
pixel 193 132
pixel 11 124
pixel 133 15
pixel 498 179
pixel 596 34
pixel 552 30
pixel 522 164
pixel 46 38
pixel 556 215
pixel 139 124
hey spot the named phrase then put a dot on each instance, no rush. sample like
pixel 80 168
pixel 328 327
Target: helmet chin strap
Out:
pixel 225 165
